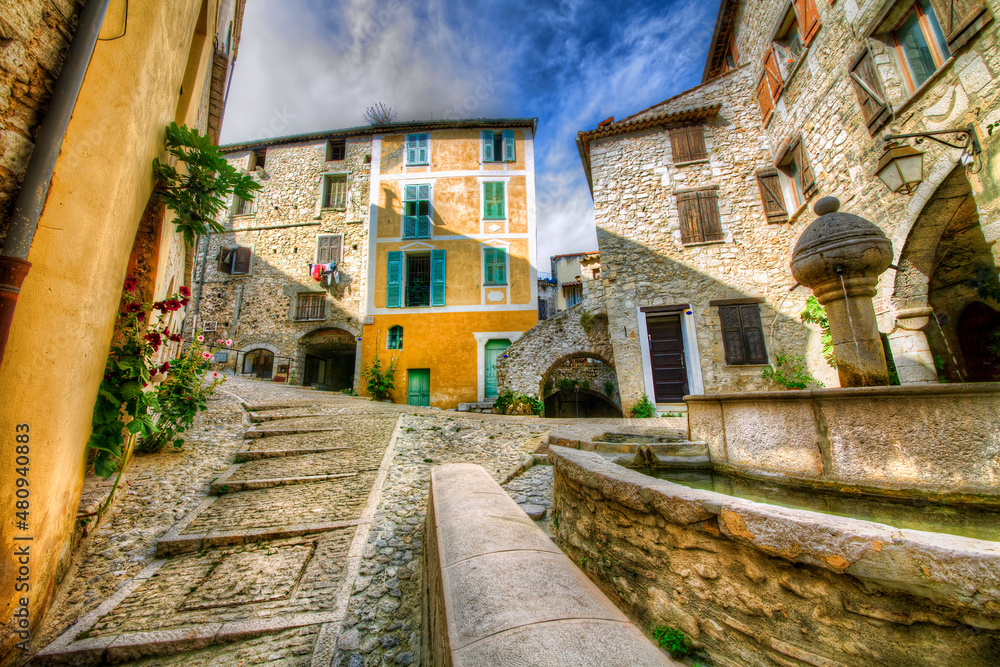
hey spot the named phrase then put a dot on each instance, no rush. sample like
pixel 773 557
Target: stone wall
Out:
pixel 547 345
pixel 289 205
pixel 34 36
pixel 546 296
pixel 596 375
pixel 755 584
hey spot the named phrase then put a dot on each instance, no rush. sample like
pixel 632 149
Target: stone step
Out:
pixel 245 455
pixel 221 487
pixel 254 432
pixel 257 417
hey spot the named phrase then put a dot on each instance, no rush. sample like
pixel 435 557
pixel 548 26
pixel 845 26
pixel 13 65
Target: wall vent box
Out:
pixel 209 326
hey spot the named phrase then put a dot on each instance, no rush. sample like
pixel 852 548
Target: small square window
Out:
pixel 417 149
pixel 234 260
pixel 328 248
pixel 258 159
pixel 241 206
pixel 335 191
pixel 336 149
pixel 310 306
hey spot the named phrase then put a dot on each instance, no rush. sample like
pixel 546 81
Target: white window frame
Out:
pixel 406 152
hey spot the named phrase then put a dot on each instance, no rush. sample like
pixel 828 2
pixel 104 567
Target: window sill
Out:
pixel 411 238
pixel 334 209
pixel 494 219
pixel 309 319
pixel 419 164
pixel 495 284
pixel 690 162
pixel 233 216
pixel 702 243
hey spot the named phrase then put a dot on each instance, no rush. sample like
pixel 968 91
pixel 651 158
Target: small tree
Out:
pixel 380 114
pixel 379 382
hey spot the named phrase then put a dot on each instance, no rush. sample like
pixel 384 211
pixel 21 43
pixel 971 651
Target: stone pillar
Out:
pixel 840 257
pixel 910 349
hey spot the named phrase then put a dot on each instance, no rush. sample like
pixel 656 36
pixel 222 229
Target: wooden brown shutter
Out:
pixel 242 262
pixel 808 19
pixel 871 97
pixel 764 98
pixel 961 19
pixel 327 249
pixel 771 74
pixel 770 195
pixel 708 209
pixel 687 209
pixel 753 334
pixel 688 143
pixel 732 335
pixel 805 171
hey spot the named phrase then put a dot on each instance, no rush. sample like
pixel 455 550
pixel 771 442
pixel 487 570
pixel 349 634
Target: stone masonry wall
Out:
pixel 548 344
pixel 596 375
pixel 266 297
pixel 34 36
pixel 758 585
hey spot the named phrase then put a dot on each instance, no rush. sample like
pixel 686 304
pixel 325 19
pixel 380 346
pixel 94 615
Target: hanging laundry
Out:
pixel 317 272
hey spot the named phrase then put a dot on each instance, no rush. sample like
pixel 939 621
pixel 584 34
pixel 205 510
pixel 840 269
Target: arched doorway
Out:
pixel 581 384
pixel 328 359
pixel 259 363
pixel 978 331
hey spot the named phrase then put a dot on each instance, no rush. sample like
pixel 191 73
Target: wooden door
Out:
pixel 666 353
pixel 494 348
pixel 419 391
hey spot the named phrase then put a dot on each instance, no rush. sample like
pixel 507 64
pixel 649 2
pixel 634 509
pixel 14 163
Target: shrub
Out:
pixel 509 403
pixel 502 402
pixel 379 382
pixel 644 408
pixel 609 388
pixel 789 371
pixel 586 321
pixel 816 314
pixel 673 641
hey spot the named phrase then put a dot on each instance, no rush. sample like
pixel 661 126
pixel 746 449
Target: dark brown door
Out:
pixel 666 352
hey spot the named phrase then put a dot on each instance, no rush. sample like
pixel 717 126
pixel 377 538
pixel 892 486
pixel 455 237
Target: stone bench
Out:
pixel 497 591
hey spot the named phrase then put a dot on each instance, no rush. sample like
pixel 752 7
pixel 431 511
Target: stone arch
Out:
pixel 259 346
pixel 558 363
pixel 327 356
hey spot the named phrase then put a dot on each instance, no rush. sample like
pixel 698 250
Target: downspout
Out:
pixel 14 264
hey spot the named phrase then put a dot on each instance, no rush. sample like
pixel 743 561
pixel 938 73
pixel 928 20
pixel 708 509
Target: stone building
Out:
pixel 568 272
pixel 425 235
pixel 547 289
pixel 86 90
pixel 699 200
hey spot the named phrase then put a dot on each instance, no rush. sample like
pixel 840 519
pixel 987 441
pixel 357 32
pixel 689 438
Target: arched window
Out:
pixel 394 340
pixel 259 362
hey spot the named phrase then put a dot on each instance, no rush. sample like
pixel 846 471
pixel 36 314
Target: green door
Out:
pixel 420 386
pixel 494 349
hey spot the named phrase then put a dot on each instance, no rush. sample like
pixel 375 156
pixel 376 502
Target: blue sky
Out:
pixel 312 65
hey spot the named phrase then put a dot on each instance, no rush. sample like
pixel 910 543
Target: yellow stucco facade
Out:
pixel 135 85
pixel 451 255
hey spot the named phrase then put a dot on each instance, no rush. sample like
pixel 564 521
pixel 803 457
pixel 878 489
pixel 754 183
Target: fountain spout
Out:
pixel 840 257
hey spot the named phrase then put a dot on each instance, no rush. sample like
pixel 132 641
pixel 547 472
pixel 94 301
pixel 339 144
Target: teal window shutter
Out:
pixel 422 140
pixel 487 145
pixel 488 265
pixel 411 149
pixel 438 273
pixel 423 211
pixel 508 145
pixel 500 258
pixel 394 285
pixel 493 196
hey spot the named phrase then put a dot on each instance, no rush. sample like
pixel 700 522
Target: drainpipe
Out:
pixel 14 264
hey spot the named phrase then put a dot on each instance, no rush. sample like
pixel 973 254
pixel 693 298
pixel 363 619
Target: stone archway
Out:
pixel 940 253
pixel 580 384
pixel 327 358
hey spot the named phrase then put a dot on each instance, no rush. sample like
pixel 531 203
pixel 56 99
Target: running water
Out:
pixel 847 304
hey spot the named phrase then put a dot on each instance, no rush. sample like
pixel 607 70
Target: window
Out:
pixel 771 196
pixel 336 149
pixel 920 44
pixel 310 307
pixel 394 339
pixel 742 335
pixel 241 206
pixel 335 191
pixel 234 260
pixel 699 215
pixel 795 32
pixel 788 44
pixel 416 279
pixel 328 248
pixel 417 148
pixel 258 158
pixel 498 146
pixel 574 294
pixel 960 20
pixel 798 182
pixel 868 88
pixel 687 144
pixel 495 266
pixel 493 200
pixel 416 211
pixel 543 312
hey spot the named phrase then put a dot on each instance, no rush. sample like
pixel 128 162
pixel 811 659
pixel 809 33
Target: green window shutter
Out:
pixel 493 195
pixel 500 255
pixel 423 226
pixel 409 226
pixel 421 141
pixel 438 273
pixel 487 145
pixel 508 145
pixel 394 292
pixel 411 149
pixel 410 212
pixel 488 265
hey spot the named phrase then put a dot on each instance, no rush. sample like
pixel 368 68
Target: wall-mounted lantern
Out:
pixel 901 167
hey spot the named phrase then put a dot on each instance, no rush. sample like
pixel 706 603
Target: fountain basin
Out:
pixel 933 442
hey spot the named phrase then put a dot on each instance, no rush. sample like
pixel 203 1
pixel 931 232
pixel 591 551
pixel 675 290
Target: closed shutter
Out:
pixel 764 98
pixel 422 140
pixel 772 74
pixel 489 275
pixel 328 249
pixel 732 335
pixel 423 211
pixel 871 97
pixel 493 195
pixel 753 334
pixel 242 262
pixel 394 291
pixel 770 195
pixel 805 171
pixel 438 274
pixel 961 19
pixel 808 19
pixel 688 143
pixel 508 145
pixel 699 216
pixel 708 213
pixel 487 145
pixel 500 259
pixel 411 149
pixel 687 209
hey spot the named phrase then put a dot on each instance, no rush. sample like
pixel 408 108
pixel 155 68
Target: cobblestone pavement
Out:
pixel 292 570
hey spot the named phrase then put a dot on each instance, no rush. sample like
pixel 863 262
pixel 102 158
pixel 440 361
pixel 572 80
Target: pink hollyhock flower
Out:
pixel 131 282
pixel 206 355
pixel 214 374
pixel 229 341
pixel 184 291
pixel 172 304
pixel 201 339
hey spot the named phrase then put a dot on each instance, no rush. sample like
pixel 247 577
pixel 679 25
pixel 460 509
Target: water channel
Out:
pixel 978 523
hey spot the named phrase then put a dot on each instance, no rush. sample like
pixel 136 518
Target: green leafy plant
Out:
pixel 348 392
pixel 789 371
pixel 508 403
pixel 125 400
pixel 502 402
pixel 378 381
pixel 547 388
pixel 644 409
pixel 609 388
pixel 816 314
pixel 182 395
pixel 673 641
pixel 586 320
pixel 197 194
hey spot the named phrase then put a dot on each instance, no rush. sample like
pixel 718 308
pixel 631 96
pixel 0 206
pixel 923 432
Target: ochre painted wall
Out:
pixel 444 344
pixel 66 311
pixel 450 150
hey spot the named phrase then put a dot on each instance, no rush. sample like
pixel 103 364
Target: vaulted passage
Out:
pixel 328 360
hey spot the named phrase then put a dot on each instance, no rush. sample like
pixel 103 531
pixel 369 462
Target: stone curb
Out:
pixel 180 544
pixel 254 432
